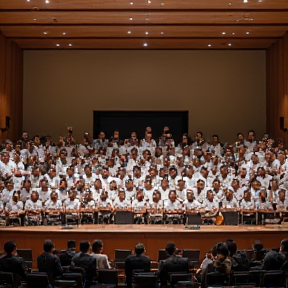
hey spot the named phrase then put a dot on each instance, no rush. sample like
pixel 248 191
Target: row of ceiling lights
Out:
pixel 144 44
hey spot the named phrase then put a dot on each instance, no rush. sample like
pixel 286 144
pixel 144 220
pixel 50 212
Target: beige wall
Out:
pixel 224 91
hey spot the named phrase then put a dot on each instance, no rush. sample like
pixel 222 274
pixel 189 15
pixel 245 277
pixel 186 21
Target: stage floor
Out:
pixel 154 237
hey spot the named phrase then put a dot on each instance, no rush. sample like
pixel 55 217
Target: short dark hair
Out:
pixel 71 244
pixel 9 247
pixel 170 248
pixel 232 247
pixel 284 245
pixel 48 245
pixel 84 246
pixel 97 246
pixel 222 248
pixel 139 249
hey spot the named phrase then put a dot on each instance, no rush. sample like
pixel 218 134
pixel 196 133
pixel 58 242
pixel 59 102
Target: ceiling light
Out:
pixel 146 33
pixel 247 32
pixel 209 45
pixel 57 45
pixel 64 33
pixel 45 33
pixel 245 1
pixel 34 19
pixel 70 44
pixel 47 1
pixel 162 4
pixel 130 18
pixel 229 44
pixel 233 33
pixel 28 0
pixel 149 2
pixel 129 32
pixel 131 3
pixel 223 33
pixel 162 33
pixel 229 3
pixel 145 44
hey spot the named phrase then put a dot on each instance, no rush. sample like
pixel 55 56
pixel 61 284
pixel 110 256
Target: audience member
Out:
pixel 67 255
pixel 101 259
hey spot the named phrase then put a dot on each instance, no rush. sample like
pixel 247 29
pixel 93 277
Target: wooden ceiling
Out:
pixel 144 24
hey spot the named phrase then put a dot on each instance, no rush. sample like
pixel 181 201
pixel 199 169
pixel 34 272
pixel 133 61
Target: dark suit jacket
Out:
pixel 49 264
pixel 87 262
pixel 66 256
pixel 13 264
pixel 172 264
pixel 136 262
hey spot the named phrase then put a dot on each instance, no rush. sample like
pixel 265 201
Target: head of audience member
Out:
pixel 84 246
pixel 140 194
pixel 232 247
pixel 170 249
pixel 172 195
pixel 34 196
pixel 72 195
pixel 48 246
pixel 139 249
pixel 222 251
pixel 10 248
pixel 71 244
pixel 284 246
pixel 257 246
pixel 121 194
pixel 156 196
pixel 54 196
pixel 97 247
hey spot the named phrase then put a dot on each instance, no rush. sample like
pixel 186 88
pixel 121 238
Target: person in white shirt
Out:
pixel 53 210
pixel 181 190
pixel 139 207
pixel 44 191
pixel 8 191
pixel 250 143
pixel 199 191
pixel 148 190
pixel 230 202
pixel 282 203
pixel 247 203
pixel 173 209
pixel 15 210
pixel 87 208
pixel 191 204
pixel 25 191
pixel 33 208
pixel 101 259
pixel 130 190
pixel 155 209
pixel 105 206
pixel 121 202
pixel 72 208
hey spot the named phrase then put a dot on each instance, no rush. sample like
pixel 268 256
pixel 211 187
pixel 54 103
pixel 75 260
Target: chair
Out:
pixel 77 277
pixel 193 219
pixel 9 279
pixel 27 255
pixel 36 280
pixel 193 256
pixel 124 217
pixel 180 277
pixel 108 276
pixel 274 278
pixel 231 217
pixel 121 254
pixel 64 283
pixel 241 278
pixel 162 255
pixel 216 279
pixel 256 276
pixel 145 281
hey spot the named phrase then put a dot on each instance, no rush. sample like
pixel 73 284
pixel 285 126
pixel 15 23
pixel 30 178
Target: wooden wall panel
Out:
pixel 11 74
pixel 277 88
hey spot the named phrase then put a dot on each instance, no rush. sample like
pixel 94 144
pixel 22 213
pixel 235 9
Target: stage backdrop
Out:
pixel 223 91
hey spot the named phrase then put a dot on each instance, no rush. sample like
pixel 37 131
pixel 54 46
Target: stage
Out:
pixel 154 237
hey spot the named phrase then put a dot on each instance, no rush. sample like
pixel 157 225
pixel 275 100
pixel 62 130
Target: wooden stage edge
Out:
pixel 154 237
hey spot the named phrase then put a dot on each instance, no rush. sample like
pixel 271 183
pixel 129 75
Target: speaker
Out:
pixel 7 121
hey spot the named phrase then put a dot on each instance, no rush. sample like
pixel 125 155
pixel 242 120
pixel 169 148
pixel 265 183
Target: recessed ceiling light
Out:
pixel 131 3
pixel 70 44
pixel 247 32
pixel 146 32
pixel 34 19
pixel 149 2
pixel 129 32
pixel 145 44
pixel 47 1
pixel 229 44
pixel 28 0
pixel 209 45
pixel 57 45
pixel 229 3
pixel 245 1
pixel 233 33
pixel 45 33
pixel 130 18
pixel 162 33
pixel 64 33
pixel 223 33
pixel 162 4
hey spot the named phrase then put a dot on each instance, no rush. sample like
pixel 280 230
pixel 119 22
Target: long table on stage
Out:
pixel 154 237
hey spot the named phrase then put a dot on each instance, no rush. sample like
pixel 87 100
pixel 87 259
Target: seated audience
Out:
pixel 67 255
pixel 101 259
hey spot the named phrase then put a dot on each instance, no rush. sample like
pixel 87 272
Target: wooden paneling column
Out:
pixel 11 88
pixel 277 88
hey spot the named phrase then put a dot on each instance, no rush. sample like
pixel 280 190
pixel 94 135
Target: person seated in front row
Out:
pixel 53 210
pixel 229 201
pixel 191 205
pixel 222 263
pixel 105 207
pixel 282 203
pixel 101 259
pixel 210 208
pixel 71 208
pixel 155 209
pixel 173 209
pixel 33 208
pixel 88 208
pixel 15 210
pixel 66 255
pixel 10 262
pixel 121 203
pixel 139 207
pixel 247 205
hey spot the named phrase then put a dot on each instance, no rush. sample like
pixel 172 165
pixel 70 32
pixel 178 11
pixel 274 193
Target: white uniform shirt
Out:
pixel 30 205
pixel 75 204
